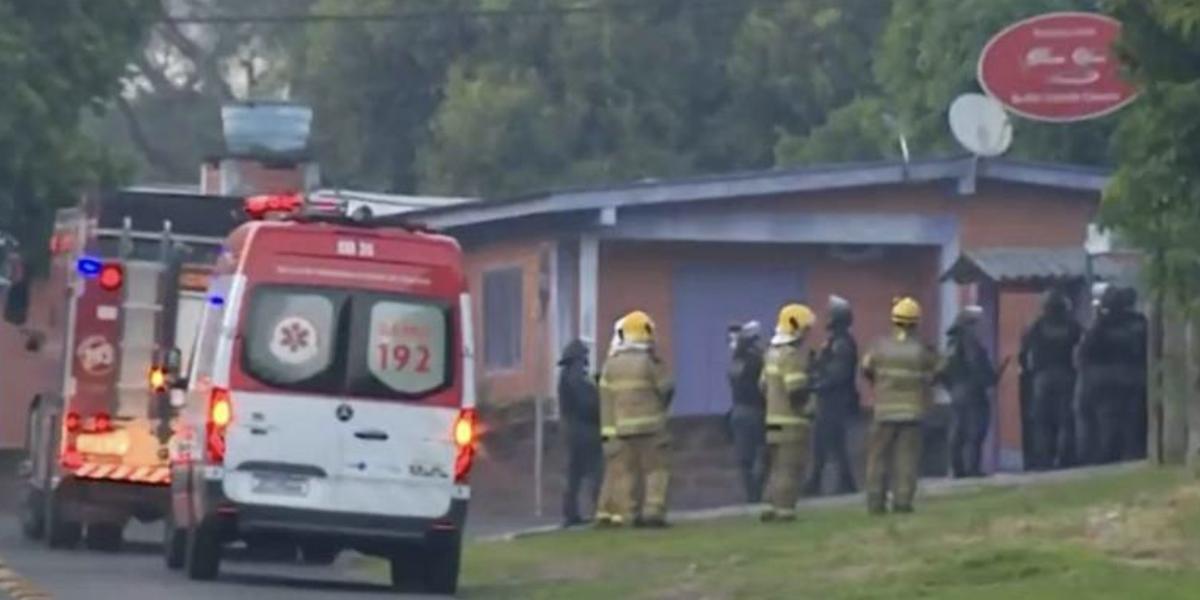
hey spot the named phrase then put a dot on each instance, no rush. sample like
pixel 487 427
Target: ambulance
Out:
pixel 328 399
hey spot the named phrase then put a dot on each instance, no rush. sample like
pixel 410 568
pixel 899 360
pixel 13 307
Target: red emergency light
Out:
pixel 111 277
pixel 262 206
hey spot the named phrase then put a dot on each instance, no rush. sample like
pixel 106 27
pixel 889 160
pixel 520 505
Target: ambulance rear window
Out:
pixel 291 338
pixel 402 347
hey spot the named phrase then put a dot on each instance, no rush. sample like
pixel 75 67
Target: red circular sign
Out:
pixel 1058 67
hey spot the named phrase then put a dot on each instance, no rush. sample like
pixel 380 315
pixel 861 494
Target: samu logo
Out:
pixel 427 472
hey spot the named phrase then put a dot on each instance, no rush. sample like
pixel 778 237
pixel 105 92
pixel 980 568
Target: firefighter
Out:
pixel 747 418
pixel 608 509
pixel 900 369
pixel 1047 359
pixel 636 385
pixel 785 384
pixel 968 376
pixel 579 406
pixel 835 382
pixel 1113 362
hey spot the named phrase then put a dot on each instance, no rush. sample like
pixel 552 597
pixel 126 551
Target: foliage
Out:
pixel 927 57
pixel 58 60
pixel 1154 198
pixel 670 89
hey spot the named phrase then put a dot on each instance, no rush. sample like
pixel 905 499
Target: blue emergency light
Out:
pixel 88 267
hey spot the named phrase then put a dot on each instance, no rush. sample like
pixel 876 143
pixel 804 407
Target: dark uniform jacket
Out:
pixel 968 373
pixel 1049 346
pixel 1114 349
pixel 835 375
pixel 579 403
pixel 744 373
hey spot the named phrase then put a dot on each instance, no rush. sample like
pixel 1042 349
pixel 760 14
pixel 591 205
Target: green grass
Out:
pixel 1132 535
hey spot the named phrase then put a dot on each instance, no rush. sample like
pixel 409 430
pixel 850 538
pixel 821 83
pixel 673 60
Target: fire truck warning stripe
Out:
pixel 85 470
pixel 122 472
pixel 19 588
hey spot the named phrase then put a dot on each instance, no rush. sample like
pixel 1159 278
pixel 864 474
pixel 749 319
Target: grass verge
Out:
pixel 1129 535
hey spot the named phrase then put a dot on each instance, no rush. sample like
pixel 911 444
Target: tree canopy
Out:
pixel 1154 198
pixel 57 61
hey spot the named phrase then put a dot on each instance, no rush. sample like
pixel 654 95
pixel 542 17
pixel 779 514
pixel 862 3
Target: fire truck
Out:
pixel 126 282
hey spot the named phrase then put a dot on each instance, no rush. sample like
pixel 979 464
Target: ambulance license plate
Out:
pixel 273 484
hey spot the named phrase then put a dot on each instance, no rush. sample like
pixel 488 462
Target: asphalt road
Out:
pixel 137 573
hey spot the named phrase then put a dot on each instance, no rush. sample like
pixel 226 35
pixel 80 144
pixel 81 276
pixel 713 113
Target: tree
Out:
pixel 58 60
pixel 927 57
pixel 1153 199
pixel 650 90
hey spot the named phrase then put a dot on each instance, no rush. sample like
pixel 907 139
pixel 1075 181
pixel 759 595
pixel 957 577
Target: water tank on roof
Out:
pixel 278 127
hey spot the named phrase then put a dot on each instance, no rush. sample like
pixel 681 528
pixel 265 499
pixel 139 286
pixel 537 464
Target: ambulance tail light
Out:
pixel 73 422
pixel 220 415
pixel 464 444
pixel 101 423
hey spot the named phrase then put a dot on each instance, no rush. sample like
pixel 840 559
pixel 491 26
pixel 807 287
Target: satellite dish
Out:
pixel 981 125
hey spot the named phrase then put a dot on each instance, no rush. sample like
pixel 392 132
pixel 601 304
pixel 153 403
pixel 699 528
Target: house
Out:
pixel 700 253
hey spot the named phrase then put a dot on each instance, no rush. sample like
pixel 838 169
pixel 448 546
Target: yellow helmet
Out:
pixel 794 320
pixel 906 311
pixel 636 328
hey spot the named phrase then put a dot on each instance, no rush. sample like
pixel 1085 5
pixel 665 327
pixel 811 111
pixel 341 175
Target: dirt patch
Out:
pixel 1146 532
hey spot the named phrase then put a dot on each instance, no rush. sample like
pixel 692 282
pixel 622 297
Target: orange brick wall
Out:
pixel 531 376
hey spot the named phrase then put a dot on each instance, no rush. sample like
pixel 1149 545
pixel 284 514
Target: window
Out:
pixel 400 347
pixel 348 342
pixel 291 338
pixel 502 322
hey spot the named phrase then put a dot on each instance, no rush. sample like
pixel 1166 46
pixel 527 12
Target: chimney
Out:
pixel 266 150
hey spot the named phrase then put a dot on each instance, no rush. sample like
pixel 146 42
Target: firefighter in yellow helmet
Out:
pixel 901 370
pixel 637 390
pixel 608 509
pixel 785 384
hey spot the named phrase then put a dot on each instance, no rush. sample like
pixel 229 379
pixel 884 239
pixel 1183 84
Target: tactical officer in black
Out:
pixel 748 417
pixel 1113 360
pixel 834 376
pixel 579 408
pixel 1048 358
pixel 968 376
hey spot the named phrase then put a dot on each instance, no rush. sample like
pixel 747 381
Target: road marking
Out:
pixel 19 588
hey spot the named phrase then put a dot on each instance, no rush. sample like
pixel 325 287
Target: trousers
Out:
pixel 749 444
pixel 893 464
pixel 643 463
pixel 585 462
pixel 788 458
pixel 829 442
pixel 968 428
pixel 1052 421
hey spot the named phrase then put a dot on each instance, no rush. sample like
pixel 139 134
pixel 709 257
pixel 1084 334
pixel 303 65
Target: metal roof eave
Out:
pixel 765 183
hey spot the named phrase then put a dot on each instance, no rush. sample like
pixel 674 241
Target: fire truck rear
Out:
pixel 127 280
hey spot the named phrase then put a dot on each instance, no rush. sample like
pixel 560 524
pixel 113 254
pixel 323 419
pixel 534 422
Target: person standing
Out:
pixel 835 383
pixel 1048 357
pixel 1113 361
pixel 579 410
pixel 785 384
pixel 748 416
pixel 638 388
pixel 968 376
pixel 900 369
pixel 608 507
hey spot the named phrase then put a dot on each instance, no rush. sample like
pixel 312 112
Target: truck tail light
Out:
pixel 101 423
pixel 220 415
pixel 72 422
pixel 464 443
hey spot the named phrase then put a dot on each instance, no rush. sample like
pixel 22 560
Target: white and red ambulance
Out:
pixel 329 397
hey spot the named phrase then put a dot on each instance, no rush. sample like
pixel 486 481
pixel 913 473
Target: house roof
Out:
pixel 766 183
pixel 1036 266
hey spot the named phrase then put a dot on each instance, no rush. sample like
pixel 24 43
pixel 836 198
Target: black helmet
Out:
pixel 576 351
pixel 1127 298
pixel 841 315
pixel 1056 303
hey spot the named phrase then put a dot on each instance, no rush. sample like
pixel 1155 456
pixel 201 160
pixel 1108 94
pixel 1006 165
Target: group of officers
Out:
pixel 793 402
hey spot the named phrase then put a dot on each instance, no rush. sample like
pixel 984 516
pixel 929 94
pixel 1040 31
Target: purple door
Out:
pixel 707 298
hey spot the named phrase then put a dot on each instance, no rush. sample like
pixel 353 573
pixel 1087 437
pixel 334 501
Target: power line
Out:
pixel 510 13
